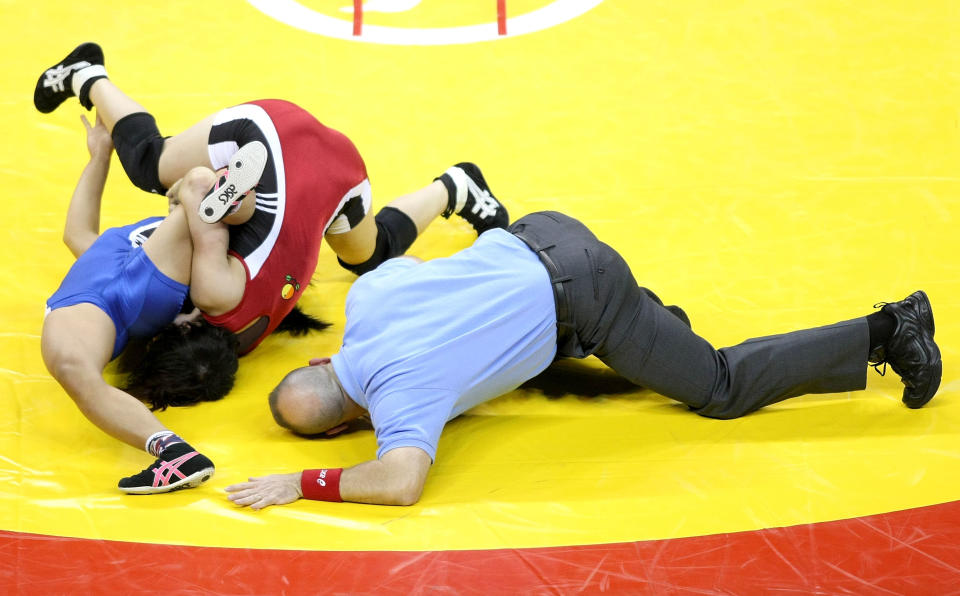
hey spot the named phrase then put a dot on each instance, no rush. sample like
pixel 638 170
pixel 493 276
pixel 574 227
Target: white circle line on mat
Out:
pixel 296 15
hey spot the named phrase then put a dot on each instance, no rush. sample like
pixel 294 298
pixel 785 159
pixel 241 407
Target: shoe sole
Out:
pixel 931 389
pixel 192 481
pixel 243 173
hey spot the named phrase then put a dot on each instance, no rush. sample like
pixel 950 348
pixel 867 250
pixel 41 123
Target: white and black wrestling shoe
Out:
pixel 56 84
pixel 470 198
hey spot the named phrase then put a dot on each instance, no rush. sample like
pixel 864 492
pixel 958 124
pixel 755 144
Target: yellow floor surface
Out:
pixel 767 165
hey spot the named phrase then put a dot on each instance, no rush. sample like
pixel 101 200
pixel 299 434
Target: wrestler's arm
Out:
pixel 217 280
pixel 397 478
pixel 82 226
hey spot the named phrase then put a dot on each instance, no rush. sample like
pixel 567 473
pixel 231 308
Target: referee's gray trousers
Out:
pixel 602 311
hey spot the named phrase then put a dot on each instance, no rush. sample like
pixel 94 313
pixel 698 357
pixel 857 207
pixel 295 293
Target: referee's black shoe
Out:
pixel 911 351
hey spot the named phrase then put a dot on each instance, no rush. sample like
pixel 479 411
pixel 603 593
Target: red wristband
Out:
pixel 321 485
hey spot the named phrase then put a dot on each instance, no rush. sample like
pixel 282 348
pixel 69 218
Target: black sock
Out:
pixel 881 329
pixel 84 95
pixel 82 80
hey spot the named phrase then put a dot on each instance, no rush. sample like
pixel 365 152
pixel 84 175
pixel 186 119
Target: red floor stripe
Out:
pixel 357 16
pixel 908 552
pixel 502 17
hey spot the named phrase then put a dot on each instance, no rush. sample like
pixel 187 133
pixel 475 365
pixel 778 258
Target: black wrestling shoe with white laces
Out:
pixel 471 199
pixel 55 85
pixel 911 351
pixel 243 174
pixel 178 467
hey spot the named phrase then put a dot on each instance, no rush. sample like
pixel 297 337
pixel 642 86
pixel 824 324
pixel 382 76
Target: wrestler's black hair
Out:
pixel 298 323
pixel 181 366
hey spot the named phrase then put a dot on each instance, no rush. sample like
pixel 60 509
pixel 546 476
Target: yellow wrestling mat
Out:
pixel 768 166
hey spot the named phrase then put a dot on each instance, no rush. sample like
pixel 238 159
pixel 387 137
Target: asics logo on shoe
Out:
pixel 485 206
pixel 227 194
pixel 168 469
pixel 54 78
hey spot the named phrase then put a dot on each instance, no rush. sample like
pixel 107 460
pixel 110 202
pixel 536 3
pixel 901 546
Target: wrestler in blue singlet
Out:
pixel 117 276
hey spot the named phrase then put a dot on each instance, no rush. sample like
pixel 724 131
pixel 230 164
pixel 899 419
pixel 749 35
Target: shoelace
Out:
pixel 876 365
pixel 55 77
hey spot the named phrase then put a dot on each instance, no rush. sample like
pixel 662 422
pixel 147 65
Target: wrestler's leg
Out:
pixel 112 104
pixel 145 155
pixel 422 206
pixel 460 190
pixel 410 216
pixel 184 151
pixel 138 139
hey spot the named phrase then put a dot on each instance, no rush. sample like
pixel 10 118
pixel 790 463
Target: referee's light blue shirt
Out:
pixel 426 342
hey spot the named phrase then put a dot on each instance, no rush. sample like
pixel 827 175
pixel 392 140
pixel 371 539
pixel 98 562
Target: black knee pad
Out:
pixel 139 144
pixel 395 233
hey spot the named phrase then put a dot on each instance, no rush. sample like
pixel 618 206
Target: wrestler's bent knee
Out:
pixel 139 145
pixel 395 233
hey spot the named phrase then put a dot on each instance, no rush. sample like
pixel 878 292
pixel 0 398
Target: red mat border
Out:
pixel 916 551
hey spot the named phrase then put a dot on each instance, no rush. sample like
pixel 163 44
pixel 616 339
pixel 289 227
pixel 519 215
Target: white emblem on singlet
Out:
pixel 139 235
